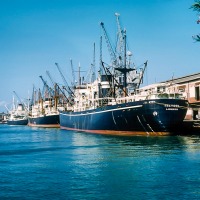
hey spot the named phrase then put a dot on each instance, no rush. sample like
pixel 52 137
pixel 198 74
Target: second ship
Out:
pixel 44 107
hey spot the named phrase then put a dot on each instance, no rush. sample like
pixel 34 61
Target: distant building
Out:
pixel 189 86
pixel 186 87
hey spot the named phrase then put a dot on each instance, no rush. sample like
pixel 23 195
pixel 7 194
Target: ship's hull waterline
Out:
pixel 21 122
pixel 146 117
pixel 48 121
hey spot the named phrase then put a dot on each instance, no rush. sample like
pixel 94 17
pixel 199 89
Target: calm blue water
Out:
pixel 55 164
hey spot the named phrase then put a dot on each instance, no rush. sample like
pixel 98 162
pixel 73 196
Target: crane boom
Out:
pixel 110 48
pixel 44 82
pixel 142 74
pixel 50 77
pixel 70 92
pixel 50 90
pixel 73 74
pixel 120 42
pixel 20 100
pixel 34 95
pixel 18 97
pixel 58 87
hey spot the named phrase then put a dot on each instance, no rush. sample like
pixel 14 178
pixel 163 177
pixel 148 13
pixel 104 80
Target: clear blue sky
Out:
pixel 34 34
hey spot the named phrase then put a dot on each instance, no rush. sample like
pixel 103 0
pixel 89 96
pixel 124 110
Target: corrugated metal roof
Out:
pixel 184 79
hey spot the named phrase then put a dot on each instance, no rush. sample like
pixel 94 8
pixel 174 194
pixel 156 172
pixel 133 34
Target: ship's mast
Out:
pixel 79 74
pixel 100 56
pixel 124 70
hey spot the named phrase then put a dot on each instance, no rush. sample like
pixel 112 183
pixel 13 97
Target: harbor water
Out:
pixel 39 163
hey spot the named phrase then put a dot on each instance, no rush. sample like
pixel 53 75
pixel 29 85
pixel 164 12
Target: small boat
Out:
pixel 115 104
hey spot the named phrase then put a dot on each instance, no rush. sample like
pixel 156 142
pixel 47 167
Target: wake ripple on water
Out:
pixel 29 151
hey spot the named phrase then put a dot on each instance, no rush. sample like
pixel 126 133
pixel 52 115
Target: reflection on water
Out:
pixel 140 165
pixel 56 164
pixel 161 143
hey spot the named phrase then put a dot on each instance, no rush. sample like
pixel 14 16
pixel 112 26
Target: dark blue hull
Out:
pixel 50 121
pixel 18 122
pixel 147 117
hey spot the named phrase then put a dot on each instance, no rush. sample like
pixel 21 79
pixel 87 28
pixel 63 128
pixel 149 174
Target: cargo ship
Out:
pixel 115 103
pixel 44 107
pixel 18 115
pixel 46 118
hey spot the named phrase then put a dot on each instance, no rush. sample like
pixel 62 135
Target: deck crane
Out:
pixel 110 48
pixel 20 101
pixel 52 94
pixel 35 95
pixel 120 42
pixel 49 89
pixel 73 74
pixel 68 89
pixel 142 74
pixel 56 85
pixel 51 79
